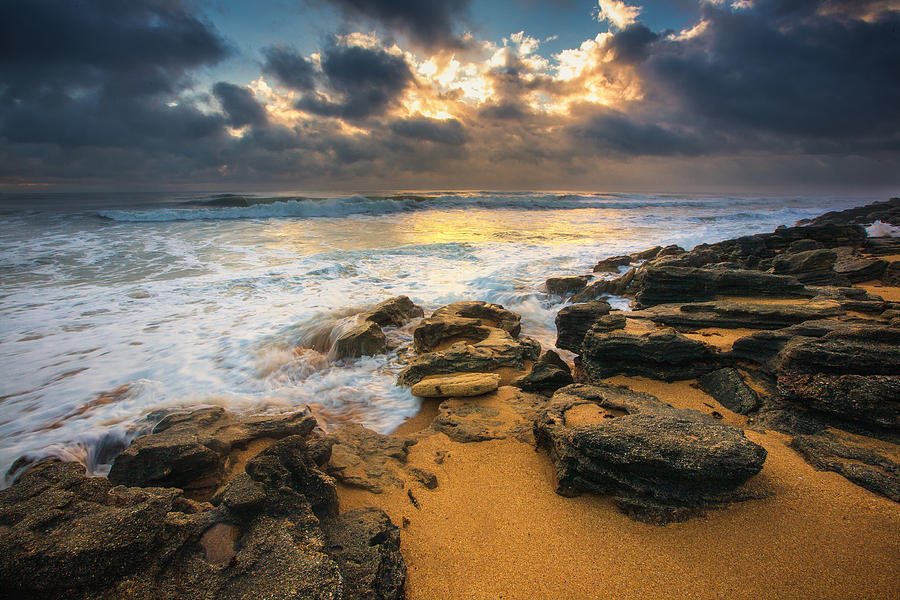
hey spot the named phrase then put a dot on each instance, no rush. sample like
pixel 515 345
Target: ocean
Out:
pixel 116 307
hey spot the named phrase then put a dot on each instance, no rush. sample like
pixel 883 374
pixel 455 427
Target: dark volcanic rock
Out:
pixel 189 450
pixel 662 464
pixel 729 389
pixel 574 321
pixel 888 212
pixel 548 374
pixel 891 274
pixel 869 399
pixel 858 268
pixel 812 266
pixel 366 546
pixel 863 466
pixel 660 285
pixel 804 245
pixel 728 314
pixel 663 354
pixel 566 285
pixel 861 350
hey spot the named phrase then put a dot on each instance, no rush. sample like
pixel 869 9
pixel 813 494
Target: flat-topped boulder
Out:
pixel 744 314
pixel 462 385
pixel 468 337
pixel 661 464
pixel 662 354
pixel 668 284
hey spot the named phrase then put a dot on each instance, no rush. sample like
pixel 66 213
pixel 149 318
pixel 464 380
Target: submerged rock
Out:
pixel 663 354
pixel 463 385
pixel 661 464
pixel 363 339
pixel 566 285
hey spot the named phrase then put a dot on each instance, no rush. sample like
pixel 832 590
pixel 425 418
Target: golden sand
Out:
pixel 494 528
pixel 721 338
pixel 890 293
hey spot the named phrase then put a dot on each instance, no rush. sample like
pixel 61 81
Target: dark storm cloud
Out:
pixel 449 131
pixel 632 44
pixel 430 22
pixel 289 67
pixel 612 132
pixel 790 70
pixel 240 105
pixel 367 80
pixel 99 72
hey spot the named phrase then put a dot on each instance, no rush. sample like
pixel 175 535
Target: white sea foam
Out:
pixel 232 307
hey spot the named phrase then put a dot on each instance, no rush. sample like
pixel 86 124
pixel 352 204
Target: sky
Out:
pixel 601 95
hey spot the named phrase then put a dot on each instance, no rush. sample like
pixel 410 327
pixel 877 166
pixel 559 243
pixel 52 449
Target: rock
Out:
pixel 727 386
pixel 190 450
pixel 857 268
pixel 566 285
pixel 611 264
pixel 860 350
pixel 882 246
pixel 863 466
pixel 366 459
pixel 394 312
pixel 660 463
pixel 891 274
pixel 366 547
pixel 613 287
pixel 491 418
pixel 548 374
pixel 468 337
pixel 610 322
pixel 728 314
pixel 574 321
pixel 663 354
pixel 660 285
pixel 463 385
pixel 426 478
pixel 362 339
pixel 804 245
pixel 873 400
pixel 888 212
pixel 812 266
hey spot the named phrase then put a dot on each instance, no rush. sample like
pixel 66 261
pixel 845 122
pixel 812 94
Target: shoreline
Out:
pixel 753 389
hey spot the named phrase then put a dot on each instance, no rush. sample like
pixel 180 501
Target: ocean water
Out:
pixel 117 307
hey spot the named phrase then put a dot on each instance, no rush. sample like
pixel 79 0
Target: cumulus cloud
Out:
pixel 760 92
pixel 617 13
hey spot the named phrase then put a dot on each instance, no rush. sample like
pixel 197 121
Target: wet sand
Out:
pixel 494 528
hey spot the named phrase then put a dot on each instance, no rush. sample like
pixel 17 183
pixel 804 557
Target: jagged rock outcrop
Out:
pixel 566 285
pixel 367 459
pixel 266 534
pixel 663 354
pixel 548 374
pixel 191 450
pixel 873 400
pixel 747 314
pixel 667 284
pixel 574 321
pixel 660 463
pixel 468 337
